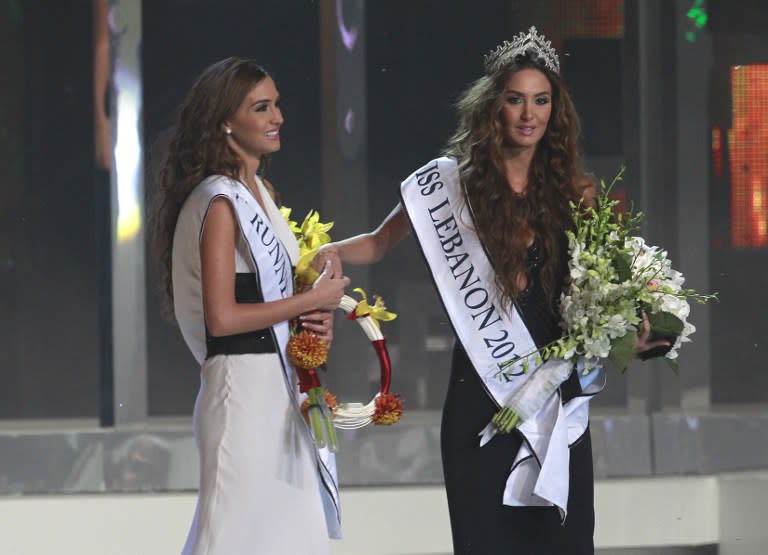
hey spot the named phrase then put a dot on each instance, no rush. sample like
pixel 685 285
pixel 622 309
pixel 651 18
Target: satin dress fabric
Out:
pixel 259 490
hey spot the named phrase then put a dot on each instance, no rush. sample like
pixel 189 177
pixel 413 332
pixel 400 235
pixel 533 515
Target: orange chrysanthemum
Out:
pixel 389 408
pixel 330 400
pixel 306 350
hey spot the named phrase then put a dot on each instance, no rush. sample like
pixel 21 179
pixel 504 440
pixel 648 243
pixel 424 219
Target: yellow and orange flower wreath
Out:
pixel 308 353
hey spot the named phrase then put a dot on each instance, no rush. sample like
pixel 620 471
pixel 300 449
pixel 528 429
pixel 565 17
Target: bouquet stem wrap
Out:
pixel 318 413
pixel 528 399
pixel 321 419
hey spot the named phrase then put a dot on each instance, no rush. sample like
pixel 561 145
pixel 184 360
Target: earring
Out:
pixel 228 131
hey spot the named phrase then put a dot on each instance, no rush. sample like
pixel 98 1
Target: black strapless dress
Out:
pixel 475 477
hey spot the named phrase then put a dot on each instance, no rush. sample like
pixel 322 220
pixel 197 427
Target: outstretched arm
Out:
pixel 368 247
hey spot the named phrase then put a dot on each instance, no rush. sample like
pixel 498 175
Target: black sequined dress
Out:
pixel 475 477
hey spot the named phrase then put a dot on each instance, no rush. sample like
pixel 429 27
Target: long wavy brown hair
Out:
pixel 197 148
pixel 504 220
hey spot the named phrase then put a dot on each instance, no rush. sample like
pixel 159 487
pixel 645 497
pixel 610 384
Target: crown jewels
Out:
pixel 525 43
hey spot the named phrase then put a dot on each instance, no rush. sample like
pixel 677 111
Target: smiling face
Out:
pixel 255 125
pixel 527 106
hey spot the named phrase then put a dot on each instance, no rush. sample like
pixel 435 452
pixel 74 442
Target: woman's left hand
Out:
pixel 320 322
pixel 642 344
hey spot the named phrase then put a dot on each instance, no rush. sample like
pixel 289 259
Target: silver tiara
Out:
pixel 530 43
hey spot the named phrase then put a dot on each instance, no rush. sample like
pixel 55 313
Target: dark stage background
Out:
pixel 54 249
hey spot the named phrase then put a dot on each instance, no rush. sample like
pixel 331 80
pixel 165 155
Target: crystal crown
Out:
pixel 531 42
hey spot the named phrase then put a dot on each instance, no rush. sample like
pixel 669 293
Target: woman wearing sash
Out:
pixel 227 253
pixel 499 200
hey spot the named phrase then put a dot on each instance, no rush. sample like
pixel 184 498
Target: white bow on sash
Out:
pixel 540 473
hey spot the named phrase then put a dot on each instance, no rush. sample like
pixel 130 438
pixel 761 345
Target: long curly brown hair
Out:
pixel 197 148
pixel 504 220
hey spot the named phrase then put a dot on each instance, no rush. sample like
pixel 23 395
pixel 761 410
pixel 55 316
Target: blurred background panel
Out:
pixel 53 213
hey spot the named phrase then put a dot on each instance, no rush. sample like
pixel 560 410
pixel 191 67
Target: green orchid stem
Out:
pixel 506 420
pixel 330 431
pixel 321 420
pixel 316 424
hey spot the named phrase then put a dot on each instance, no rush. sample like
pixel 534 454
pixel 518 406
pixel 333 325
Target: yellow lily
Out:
pixel 314 233
pixel 305 273
pixel 285 212
pixel 378 311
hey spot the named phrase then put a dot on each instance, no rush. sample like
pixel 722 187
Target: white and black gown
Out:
pixel 259 485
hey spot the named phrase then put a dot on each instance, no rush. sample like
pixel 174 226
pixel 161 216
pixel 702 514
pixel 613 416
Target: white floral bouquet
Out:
pixel 614 279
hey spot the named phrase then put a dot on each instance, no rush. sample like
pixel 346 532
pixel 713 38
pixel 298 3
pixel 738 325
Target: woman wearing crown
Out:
pixel 489 217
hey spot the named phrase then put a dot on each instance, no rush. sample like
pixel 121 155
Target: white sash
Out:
pixel 493 340
pixel 464 278
pixel 275 275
